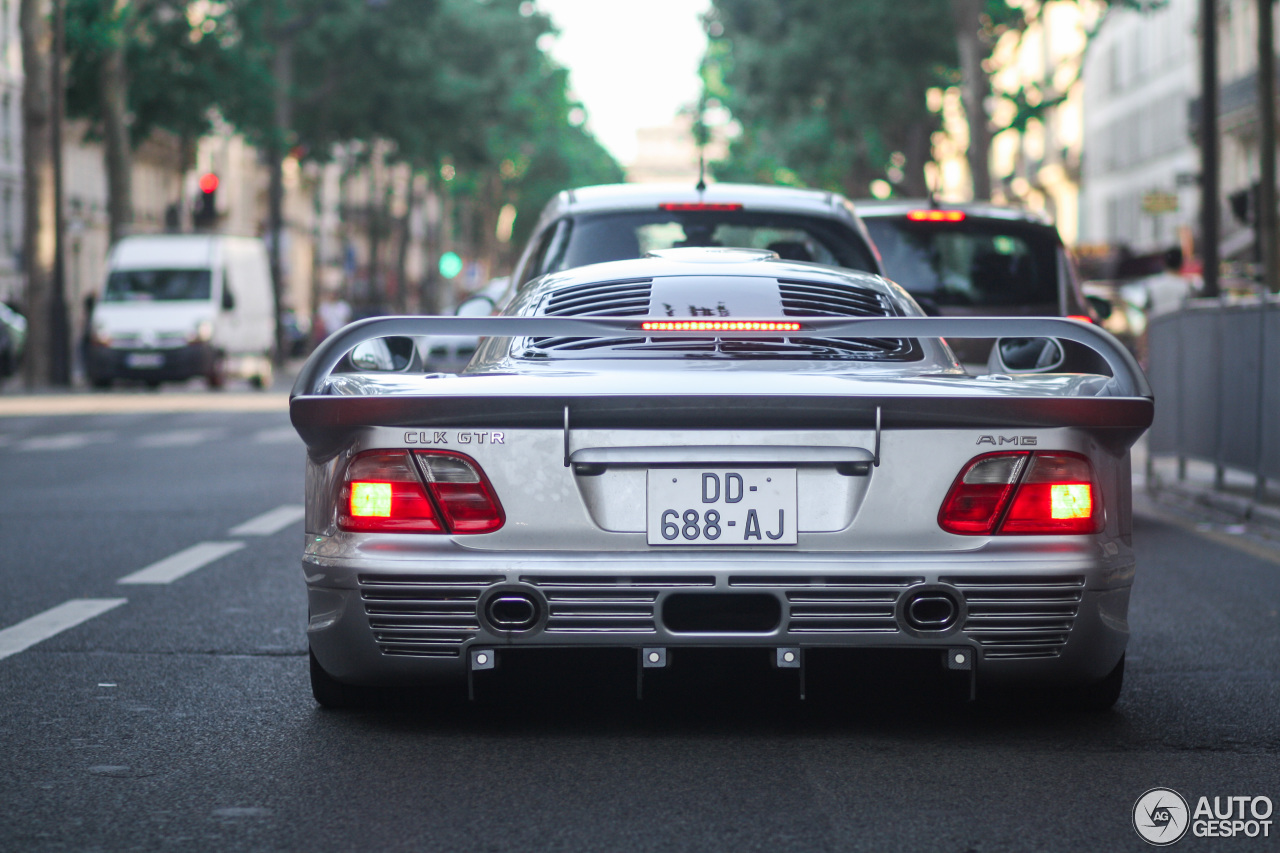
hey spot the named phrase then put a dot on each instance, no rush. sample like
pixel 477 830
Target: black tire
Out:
pixel 337 695
pixel 102 383
pixel 1100 695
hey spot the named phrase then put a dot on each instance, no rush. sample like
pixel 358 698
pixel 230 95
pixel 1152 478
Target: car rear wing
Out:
pixel 1120 410
pixel 1129 378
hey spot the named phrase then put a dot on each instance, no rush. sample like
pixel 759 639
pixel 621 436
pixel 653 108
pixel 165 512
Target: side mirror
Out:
pixel 1101 305
pixel 384 355
pixel 1026 355
pixel 476 306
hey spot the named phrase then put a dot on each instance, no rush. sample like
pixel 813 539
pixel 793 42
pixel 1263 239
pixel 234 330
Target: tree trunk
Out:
pixel 919 152
pixel 113 94
pixel 403 227
pixel 975 88
pixel 39 211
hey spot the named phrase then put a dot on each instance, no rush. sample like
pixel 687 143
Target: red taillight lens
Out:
pixel 1081 318
pixel 1023 493
pixel 448 493
pixel 980 494
pixel 383 494
pixel 462 491
pixel 1057 495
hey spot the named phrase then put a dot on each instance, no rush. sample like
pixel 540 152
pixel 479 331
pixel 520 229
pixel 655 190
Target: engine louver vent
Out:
pixel 818 299
pixel 798 299
pixel 629 298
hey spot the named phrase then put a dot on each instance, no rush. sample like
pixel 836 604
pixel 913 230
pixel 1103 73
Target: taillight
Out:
pixel 461 491
pixel 1023 493
pixel 718 206
pixel 936 215
pixel 1081 318
pixel 395 491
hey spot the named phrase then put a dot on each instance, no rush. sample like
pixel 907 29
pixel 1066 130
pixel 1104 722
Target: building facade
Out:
pixel 1139 191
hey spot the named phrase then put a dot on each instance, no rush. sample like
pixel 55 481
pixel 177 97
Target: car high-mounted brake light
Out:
pixel 1081 317
pixel 718 326
pixel 394 491
pixel 935 216
pixel 721 206
pixel 1023 493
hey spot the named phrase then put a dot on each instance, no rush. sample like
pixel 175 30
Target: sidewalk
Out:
pixel 1194 490
pixel 238 396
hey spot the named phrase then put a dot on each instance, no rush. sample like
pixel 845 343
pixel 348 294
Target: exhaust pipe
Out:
pixel 512 611
pixel 930 611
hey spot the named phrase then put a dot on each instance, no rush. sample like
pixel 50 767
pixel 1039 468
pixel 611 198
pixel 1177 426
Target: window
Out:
pixel 157 285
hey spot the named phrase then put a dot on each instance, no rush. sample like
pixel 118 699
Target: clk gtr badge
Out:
pixel 442 437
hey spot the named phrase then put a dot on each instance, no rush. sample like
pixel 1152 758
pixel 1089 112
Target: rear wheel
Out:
pixel 1098 695
pixel 331 693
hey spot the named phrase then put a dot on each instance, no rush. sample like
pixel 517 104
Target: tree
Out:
pixel 142 65
pixel 39 202
pixel 829 93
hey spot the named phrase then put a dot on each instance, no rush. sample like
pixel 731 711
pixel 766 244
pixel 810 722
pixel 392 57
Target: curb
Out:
pixel 1246 510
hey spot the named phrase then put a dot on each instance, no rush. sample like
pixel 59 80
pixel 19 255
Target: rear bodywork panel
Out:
pixel 570 452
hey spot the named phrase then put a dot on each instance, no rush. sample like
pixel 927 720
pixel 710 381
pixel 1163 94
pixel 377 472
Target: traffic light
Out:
pixel 206 212
pixel 450 264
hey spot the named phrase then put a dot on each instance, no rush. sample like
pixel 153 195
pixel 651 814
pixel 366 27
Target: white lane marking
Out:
pixel 278 435
pixel 42 626
pixel 179 437
pixel 270 522
pixel 66 441
pixel 182 563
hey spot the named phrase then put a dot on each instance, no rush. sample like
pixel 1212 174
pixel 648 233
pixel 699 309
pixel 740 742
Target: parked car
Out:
pixel 13 339
pixel 977 259
pixel 714 448
pixel 619 221
pixel 174 307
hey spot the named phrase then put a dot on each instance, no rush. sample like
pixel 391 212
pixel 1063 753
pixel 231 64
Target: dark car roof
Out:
pixel 876 208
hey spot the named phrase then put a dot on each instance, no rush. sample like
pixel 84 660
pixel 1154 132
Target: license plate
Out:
pixel 144 360
pixel 721 506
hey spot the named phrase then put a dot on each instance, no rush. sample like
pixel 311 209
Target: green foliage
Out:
pixel 457 81
pixel 827 91
pixel 178 63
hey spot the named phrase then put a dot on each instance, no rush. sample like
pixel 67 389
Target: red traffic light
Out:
pixel 208 183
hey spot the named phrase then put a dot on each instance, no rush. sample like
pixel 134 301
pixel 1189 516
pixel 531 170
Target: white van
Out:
pixel 179 306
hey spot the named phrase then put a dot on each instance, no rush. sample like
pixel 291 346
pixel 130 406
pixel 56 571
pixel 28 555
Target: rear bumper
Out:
pixel 1062 620
pixel 165 365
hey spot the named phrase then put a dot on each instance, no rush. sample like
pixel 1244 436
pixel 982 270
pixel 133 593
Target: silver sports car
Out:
pixel 715 448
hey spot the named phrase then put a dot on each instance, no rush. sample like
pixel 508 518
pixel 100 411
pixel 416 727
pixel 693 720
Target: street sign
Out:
pixel 1157 202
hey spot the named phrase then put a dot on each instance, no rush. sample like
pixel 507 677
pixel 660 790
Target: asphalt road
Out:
pixel 173 712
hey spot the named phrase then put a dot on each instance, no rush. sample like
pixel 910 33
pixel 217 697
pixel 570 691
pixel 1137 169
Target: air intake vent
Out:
pixel 1027 617
pixel 422 616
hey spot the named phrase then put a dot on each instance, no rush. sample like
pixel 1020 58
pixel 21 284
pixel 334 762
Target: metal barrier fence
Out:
pixel 1215 370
